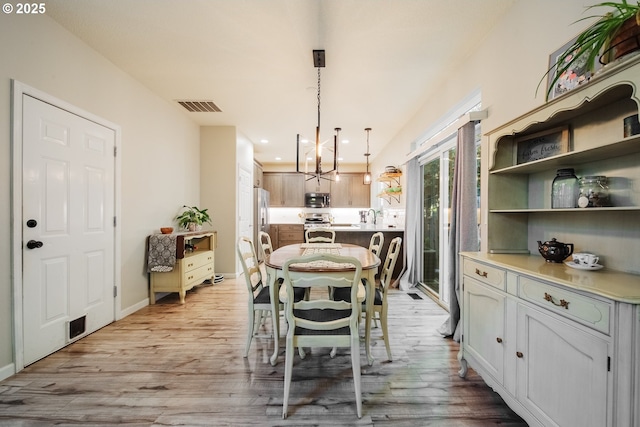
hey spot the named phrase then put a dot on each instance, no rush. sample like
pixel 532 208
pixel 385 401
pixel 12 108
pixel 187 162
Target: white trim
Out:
pixel 18 90
pixel 7 371
pixel 133 308
pixel 447 132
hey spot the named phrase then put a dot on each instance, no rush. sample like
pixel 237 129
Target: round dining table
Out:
pixel 275 261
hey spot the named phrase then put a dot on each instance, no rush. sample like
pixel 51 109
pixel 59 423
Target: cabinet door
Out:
pixel 313 186
pixel 293 189
pixel 561 370
pixel 484 326
pixel 273 184
pixel 350 192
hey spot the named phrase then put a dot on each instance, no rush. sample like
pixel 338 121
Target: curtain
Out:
pixel 463 231
pixel 412 235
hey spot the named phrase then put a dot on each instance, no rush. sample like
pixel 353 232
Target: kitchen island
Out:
pixel 360 234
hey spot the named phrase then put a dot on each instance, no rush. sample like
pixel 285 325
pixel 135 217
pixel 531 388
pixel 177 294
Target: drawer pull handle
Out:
pixel 563 303
pixel 519 354
pixel 481 273
pixel 499 340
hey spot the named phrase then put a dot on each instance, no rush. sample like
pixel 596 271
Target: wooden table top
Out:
pixel 367 258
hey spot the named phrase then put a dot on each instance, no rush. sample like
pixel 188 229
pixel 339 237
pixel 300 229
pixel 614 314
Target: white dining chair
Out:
pixel 380 306
pixel 265 244
pixel 322 322
pixel 376 242
pixel 259 299
pixel 319 235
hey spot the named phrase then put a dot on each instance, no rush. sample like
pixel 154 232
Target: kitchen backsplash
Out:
pixel 340 216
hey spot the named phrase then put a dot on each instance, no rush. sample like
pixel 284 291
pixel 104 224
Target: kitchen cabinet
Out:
pixel 288 234
pixel 314 186
pixel 286 189
pixel 195 263
pixel 350 192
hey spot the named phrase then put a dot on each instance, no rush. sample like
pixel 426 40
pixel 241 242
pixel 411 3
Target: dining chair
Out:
pixel 380 305
pixel 265 244
pixel 377 240
pixel 322 322
pixel 259 299
pixel 319 235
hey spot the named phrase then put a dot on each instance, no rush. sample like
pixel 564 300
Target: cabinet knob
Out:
pixel 519 354
pixel 499 340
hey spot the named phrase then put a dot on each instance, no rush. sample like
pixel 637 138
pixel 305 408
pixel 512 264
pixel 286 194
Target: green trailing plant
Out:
pixel 594 41
pixel 192 215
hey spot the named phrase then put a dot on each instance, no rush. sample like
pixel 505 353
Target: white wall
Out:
pixel 506 67
pixel 159 145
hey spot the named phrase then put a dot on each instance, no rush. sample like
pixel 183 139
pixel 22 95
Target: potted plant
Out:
pixel 192 218
pixel 615 34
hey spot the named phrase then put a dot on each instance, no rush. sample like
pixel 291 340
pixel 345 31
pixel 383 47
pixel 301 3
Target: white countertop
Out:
pixel 365 227
pixel 612 284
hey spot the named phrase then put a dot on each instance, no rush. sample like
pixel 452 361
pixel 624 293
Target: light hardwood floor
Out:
pixel 173 364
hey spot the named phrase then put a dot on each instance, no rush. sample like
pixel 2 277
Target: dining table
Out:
pixel 275 261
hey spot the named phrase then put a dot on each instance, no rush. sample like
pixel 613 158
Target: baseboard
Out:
pixel 132 309
pixel 7 371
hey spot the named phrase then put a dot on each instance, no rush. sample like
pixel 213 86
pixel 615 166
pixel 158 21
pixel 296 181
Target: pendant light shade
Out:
pixel 367 175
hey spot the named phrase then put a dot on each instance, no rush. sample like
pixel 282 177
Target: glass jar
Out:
pixel 594 192
pixel 565 189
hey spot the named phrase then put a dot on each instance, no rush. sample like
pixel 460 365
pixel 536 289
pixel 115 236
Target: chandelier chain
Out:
pixel 318 96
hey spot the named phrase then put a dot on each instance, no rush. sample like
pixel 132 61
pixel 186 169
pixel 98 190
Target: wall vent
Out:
pixel 200 106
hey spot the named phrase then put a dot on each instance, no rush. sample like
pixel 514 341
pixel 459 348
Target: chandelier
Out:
pixel 318 173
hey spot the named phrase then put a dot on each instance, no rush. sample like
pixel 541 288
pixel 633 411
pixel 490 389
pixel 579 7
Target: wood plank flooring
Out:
pixel 173 364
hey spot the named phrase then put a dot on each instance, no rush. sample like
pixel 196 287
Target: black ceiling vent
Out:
pixel 200 106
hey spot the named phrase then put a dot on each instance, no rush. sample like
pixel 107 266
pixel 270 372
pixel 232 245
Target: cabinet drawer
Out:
pixel 485 273
pixel 197 276
pixel 291 227
pixel 291 235
pixel 586 310
pixel 197 260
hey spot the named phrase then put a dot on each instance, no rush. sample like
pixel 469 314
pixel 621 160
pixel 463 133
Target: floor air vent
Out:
pixel 414 295
pixel 77 327
pixel 200 106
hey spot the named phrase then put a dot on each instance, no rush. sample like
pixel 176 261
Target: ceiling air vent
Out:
pixel 200 106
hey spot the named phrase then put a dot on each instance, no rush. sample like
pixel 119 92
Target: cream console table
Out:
pixel 194 263
pixel 561 346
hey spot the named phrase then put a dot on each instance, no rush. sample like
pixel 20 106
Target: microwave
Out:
pixel 317 200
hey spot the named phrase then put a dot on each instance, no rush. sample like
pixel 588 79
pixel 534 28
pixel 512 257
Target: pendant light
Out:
pixel 318 173
pixel 367 175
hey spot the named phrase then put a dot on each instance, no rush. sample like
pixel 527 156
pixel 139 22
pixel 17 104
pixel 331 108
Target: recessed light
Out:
pixel 304 141
pixel 345 141
pixel 278 158
pixel 340 158
pixel 264 141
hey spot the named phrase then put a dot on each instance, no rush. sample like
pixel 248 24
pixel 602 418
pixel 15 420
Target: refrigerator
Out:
pixel 260 217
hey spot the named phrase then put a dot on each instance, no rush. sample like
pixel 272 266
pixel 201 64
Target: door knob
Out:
pixel 33 244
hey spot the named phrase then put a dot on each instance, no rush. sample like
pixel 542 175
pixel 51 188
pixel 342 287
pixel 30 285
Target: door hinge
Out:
pixel 608 364
pixel 115 151
pixel 114 221
pixel 115 291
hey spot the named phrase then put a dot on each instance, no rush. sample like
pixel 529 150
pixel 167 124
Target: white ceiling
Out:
pixel 253 59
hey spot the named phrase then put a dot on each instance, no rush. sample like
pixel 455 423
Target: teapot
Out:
pixel 554 251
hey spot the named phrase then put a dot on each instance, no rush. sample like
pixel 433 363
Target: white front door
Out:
pixel 68 192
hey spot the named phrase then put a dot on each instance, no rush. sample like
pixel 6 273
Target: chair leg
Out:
pixel 251 323
pixel 385 331
pixel 288 367
pixel 355 364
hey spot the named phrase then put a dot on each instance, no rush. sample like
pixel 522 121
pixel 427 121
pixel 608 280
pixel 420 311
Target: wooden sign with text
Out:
pixel 542 145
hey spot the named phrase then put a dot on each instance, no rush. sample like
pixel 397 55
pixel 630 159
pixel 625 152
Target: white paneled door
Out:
pixel 67 227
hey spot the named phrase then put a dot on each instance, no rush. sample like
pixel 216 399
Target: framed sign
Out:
pixel 542 145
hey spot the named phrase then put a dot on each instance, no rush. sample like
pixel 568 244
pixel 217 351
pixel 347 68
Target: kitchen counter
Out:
pixel 364 227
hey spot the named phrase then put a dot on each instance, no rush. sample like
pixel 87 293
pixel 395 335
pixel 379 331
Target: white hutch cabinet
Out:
pixel 561 345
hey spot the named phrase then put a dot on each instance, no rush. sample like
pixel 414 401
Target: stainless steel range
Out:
pixel 313 220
